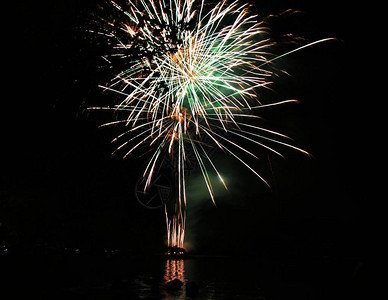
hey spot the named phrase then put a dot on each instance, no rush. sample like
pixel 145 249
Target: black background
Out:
pixel 61 188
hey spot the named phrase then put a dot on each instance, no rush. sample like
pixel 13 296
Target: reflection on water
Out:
pixel 95 277
pixel 215 278
pixel 175 269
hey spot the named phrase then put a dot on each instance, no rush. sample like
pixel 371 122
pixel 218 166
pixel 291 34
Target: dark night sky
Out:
pixel 59 182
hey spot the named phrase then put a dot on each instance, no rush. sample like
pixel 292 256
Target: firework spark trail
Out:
pixel 189 72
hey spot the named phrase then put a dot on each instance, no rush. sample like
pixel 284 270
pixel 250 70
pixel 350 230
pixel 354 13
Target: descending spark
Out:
pixel 188 76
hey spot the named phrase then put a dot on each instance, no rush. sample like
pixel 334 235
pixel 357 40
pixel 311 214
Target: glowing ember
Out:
pixel 176 252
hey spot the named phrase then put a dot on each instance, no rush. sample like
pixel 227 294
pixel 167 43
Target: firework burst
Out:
pixel 187 75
